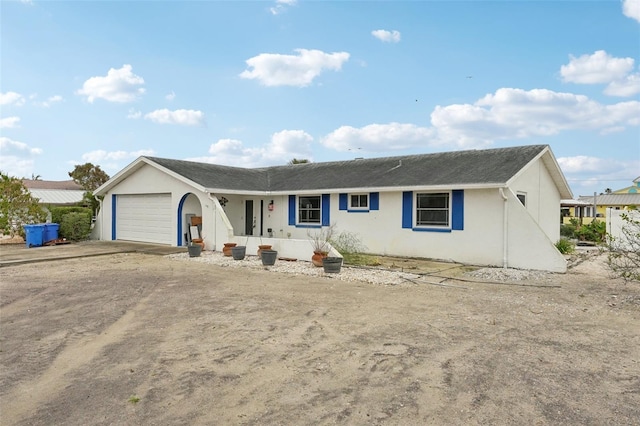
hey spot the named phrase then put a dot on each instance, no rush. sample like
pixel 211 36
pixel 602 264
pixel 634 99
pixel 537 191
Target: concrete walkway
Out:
pixel 16 254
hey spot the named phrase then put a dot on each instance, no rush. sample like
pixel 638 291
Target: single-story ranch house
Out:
pixel 496 207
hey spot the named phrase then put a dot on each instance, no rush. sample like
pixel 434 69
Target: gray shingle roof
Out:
pixel 457 168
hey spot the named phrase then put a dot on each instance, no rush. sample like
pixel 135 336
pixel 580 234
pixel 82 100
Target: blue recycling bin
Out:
pixel 34 235
pixel 50 232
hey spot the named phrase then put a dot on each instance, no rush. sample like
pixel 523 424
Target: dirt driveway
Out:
pixel 138 339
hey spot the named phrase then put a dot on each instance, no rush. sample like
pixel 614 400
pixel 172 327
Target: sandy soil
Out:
pixel 139 339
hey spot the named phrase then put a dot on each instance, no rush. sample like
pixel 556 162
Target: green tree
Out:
pixel 17 206
pixel 89 177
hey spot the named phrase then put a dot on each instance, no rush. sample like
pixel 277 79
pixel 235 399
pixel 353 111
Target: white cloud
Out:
pixel 9 98
pixel 387 36
pixel 625 87
pixel 589 172
pixel 9 122
pixel 283 146
pixel 171 96
pixel 111 161
pixel 18 158
pixel 597 68
pixel 631 8
pixel 508 114
pixel 378 137
pixel 134 114
pixel 281 6
pixel 184 117
pixel 517 114
pixel 292 70
pixel 119 85
pixel 50 101
pixel 602 68
pixel 101 156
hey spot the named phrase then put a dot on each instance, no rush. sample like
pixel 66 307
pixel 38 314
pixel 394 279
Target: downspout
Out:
pixel 505 229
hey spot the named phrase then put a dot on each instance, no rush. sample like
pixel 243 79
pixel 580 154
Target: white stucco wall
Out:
pixel 149 180
pixel 532 231
pixel 543 197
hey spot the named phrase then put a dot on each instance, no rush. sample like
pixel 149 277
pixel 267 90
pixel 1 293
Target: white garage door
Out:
pixel 144 217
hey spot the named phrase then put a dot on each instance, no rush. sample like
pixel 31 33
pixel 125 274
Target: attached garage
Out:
pixel 144 217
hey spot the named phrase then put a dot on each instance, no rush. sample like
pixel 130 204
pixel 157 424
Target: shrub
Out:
pixel 75 226
pixel 568 230
pixel 351 248
pixel 623 258
pixel 596 231
pixel 58 213
pixel 565 246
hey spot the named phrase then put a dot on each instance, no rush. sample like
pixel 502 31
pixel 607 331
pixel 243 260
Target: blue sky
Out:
pixel 258 83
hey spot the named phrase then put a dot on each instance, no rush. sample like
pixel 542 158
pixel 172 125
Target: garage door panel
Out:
pixel 144 217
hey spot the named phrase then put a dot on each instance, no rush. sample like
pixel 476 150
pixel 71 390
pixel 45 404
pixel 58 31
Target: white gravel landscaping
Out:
pixel 348 273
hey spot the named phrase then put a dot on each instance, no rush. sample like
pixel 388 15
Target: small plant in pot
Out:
pixel 331 264
pixel 239 252
pixel 268 257
pixel 227 248
pixel 319 240
pixel 195 249
pixel 262 247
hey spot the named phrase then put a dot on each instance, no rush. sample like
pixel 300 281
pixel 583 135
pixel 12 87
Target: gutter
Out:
pixel 505 230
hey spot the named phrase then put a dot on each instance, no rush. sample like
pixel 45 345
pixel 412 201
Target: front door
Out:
pixel 249 219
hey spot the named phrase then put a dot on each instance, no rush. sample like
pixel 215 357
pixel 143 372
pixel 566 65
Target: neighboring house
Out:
pixel 587 208
pixel 55 193
pixel 484 207
pixel 633 189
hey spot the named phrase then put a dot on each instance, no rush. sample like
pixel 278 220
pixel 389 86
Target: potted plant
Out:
pixel 262 247
pixel 332 265
pixel 319 240
pixel 269 257
pixel 238 252
pixel 227 248
pixel 195 249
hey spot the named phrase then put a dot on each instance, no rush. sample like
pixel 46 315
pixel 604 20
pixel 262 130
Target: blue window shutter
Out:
pixel 292 210
pixel 343 202
pixel 113 216
pixel 407 209
pixel 457 210
pixel 325 210
pixel 374 201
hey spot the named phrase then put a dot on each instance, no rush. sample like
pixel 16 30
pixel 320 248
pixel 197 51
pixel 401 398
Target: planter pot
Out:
pixel 194 250
pixel 332 265
pixel 262 247
pixel 269 257
pixel 317 257
pixel 227 248
pixel 238 252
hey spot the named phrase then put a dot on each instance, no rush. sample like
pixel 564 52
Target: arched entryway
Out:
pixel 188 207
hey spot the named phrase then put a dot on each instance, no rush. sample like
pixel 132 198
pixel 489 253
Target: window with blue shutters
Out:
pixel 359 202
pixel 309 210
pixel 433 211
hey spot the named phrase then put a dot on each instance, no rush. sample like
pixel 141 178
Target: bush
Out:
pixel 568 230
pixel 58 213
pixel 596 231
pixel 565 246
pixel 351 248
pixel 75 226
pixel 623 258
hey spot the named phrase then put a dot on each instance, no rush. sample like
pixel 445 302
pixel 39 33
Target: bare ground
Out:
pixel 137 339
